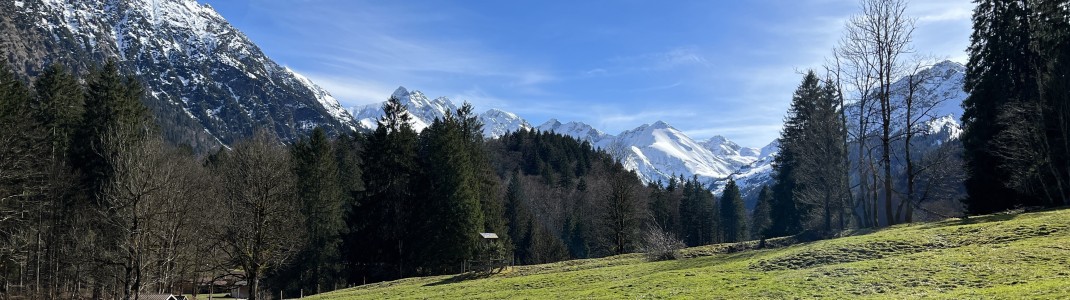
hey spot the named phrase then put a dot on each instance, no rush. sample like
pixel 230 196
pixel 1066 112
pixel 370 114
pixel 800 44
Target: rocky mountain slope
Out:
pixel 206 82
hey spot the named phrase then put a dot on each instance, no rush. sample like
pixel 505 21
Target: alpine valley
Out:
pixel 209 86
pixel 658 151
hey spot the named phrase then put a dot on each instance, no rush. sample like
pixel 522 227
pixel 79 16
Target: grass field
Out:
pixel 1024 256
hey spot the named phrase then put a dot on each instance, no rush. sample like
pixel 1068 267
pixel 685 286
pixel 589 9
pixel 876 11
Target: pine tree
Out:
pixel 788 212
pixel 998 73
pixel 761 220
pixel 697 214
pixel 349 150
pixel 487 185
pixel 21 171
pixel 820 158
pixel 320 194
pixel 112 102
pixel 732 221
pixel 383 223
pixel 452 215
pixel 1051 43
pixel 59 107
pixel 519 218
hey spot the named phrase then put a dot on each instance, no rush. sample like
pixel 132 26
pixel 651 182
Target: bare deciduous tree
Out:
pixel 145 212
pixel 873 44
pixel 259 209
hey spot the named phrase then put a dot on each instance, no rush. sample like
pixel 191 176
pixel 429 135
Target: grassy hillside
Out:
pixel 999 256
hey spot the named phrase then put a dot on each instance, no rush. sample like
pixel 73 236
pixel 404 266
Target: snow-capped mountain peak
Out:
pixel 497 123
pixel 424 111
pixel 577 130
pixel 209 84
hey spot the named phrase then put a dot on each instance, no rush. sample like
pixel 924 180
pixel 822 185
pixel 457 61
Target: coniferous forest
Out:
pixel 97 204
pixel 94 203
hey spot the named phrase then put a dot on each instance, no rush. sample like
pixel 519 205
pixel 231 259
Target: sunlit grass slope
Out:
pixel 1000 256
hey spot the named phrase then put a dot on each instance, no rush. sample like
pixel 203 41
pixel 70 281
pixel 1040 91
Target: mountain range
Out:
pixel 658 151
pixel 209 85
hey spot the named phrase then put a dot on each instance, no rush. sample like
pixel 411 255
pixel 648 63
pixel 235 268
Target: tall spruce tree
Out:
pixel 998 73
pixel 487 185
pixel 451 214
pixel 387 202
pixel 59 107
pixel 20 170
pixel 112 102
pixel 320 194
pixel 821 158
pixel 733 220
pixel 788 213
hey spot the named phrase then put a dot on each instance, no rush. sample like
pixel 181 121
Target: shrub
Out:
pixel 660 245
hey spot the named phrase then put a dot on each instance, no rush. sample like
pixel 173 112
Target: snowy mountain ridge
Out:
pixel 655 151
pixel 658 151
pixel 424 111
pixel 208 84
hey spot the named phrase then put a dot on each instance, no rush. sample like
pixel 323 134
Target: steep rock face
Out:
pixel 206 82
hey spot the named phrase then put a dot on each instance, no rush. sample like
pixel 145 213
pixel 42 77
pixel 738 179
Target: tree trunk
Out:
pixel 254 284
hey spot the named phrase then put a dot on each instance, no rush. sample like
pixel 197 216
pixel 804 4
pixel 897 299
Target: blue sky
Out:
pixel 706 67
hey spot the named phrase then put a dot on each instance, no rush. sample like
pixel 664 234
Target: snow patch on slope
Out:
pixel 325 99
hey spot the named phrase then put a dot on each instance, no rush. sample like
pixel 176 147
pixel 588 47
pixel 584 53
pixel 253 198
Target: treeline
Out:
pixel 95 204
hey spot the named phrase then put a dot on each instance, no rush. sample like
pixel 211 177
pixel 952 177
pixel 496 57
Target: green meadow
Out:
pixel 1003 256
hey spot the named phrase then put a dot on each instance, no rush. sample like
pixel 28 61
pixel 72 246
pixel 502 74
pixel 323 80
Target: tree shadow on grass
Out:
pixel 999 217
pixel 465 276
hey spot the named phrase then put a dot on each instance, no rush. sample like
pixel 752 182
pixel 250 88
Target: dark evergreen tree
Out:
pixel 21 174
pixel 112 102
pixel 382 224
pixel 451 214
pixel 320 194
pixel 519 218
pixel 487 185
pixel 820 159
pixel 1049 171
pixel 787 212
pixel 760 219
pixel 662 207
pixel 998 73
pixel 733 222
pixel 59 107
pixel 697 214
pixel 349 150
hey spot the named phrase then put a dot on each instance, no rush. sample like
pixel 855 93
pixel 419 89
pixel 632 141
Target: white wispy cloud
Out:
pixel 379 44
pixel 357 91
